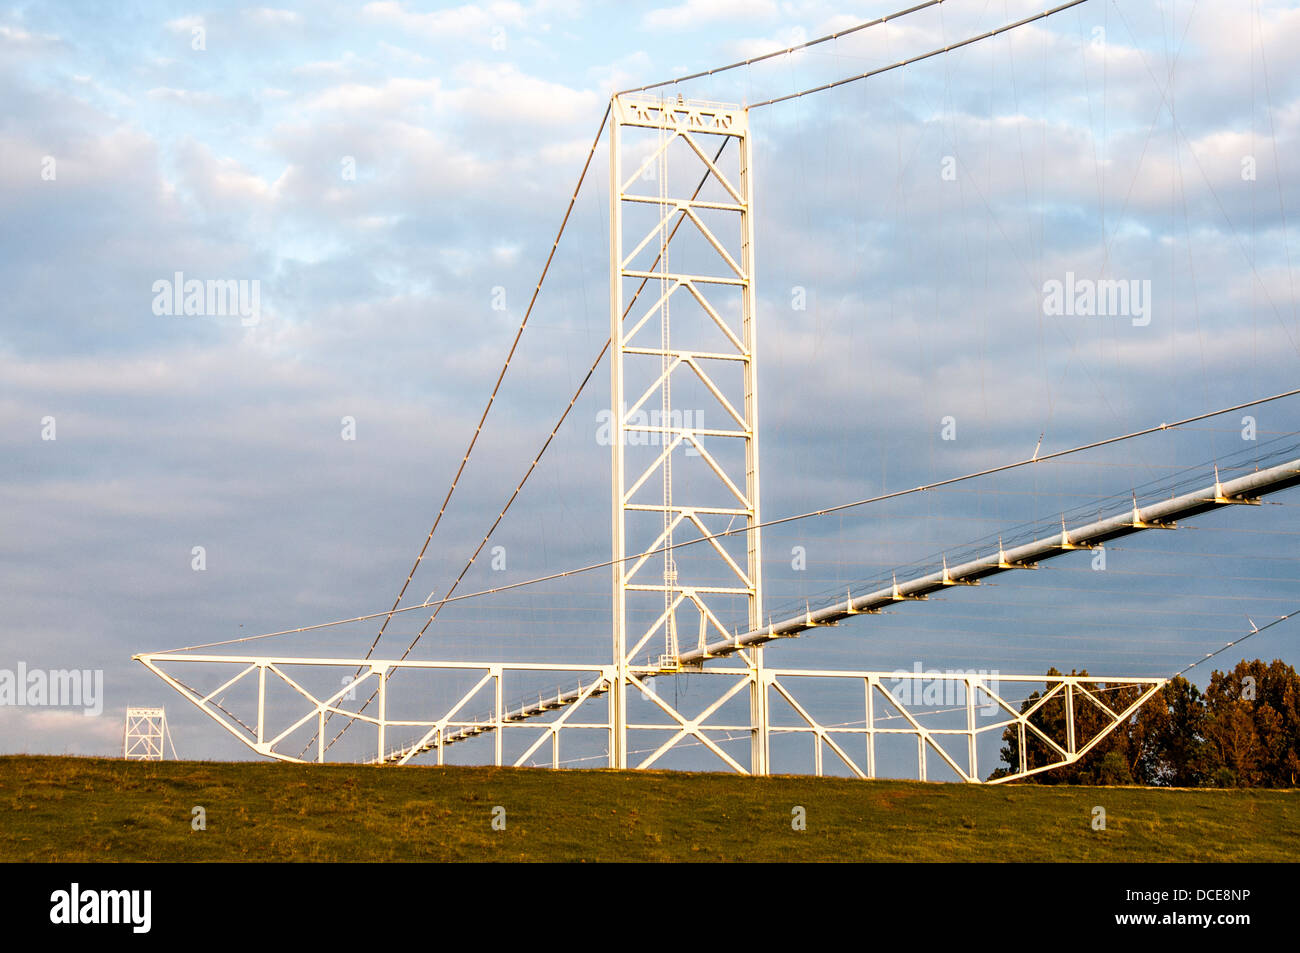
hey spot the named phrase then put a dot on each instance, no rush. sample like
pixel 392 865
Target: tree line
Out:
pixel 1242 731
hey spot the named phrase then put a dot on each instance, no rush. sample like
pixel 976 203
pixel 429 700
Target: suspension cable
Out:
pixel 537 458
pixel 790 49
pixel 460 470
pixel 496 387
pixel 923 56
pixel 1254 630
pixel 568 211
pixel 895 494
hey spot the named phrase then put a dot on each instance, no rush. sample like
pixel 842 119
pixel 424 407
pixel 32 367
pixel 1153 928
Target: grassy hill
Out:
pixel 85 809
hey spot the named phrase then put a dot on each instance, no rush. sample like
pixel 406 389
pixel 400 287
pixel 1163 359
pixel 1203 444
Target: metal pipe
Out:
pixel 1156 515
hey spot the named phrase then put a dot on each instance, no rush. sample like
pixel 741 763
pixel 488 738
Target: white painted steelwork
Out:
pixel 694 130
pixel 143 734
pixel 696 134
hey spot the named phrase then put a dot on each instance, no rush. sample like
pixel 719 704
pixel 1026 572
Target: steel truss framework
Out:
pixel 892 704
pixel 647 607
pixel 652 130
pixel 143 734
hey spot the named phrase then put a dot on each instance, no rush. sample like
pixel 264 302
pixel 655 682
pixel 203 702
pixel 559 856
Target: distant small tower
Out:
pixel 142 738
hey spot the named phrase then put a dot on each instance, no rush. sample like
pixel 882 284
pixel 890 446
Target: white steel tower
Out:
pixel 685 186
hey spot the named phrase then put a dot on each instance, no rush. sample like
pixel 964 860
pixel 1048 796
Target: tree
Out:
pixel 1252 726
pixel 1169 732
pixel 1244 730
pixel 1112 760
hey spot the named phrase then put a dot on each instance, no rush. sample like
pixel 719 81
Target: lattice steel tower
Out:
pixel 682 318
pixel 143 734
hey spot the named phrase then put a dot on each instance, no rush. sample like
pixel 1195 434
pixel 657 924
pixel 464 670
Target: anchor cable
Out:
pixel 496 387
pixel 923 56
pixel 536 459
pixel 892 495
pixel 789 49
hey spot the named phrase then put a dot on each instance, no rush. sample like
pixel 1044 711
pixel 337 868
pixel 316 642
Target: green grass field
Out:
pixel 84 809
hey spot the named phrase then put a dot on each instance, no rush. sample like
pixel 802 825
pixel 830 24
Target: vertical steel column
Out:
pixel 970 727
pixel 498 711
pixel 383 709
pixel 1070 743
pixel 696 133
pixel 261 702
pixel 871 727
pixel 759 745
pixel 618 688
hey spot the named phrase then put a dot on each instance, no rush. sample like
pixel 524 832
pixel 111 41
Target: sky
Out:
pixel 390 176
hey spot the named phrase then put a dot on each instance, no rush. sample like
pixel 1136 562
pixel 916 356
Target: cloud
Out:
pixel 504 95
pixel 694 13
pixel 16 39
pixel 924 300
pixel 40 731
pixel 468 20
pixel 393 96
pixel 266 16
pixel 186 24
